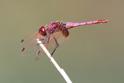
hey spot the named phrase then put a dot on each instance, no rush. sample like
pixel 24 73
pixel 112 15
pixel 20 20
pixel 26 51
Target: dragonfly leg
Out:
pixel 57 45
pixel 38 52
pixel 46 39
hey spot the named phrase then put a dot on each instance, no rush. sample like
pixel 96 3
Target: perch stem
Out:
pixel 60 70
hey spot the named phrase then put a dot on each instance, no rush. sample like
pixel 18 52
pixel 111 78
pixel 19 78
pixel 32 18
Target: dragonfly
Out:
pixel 48 34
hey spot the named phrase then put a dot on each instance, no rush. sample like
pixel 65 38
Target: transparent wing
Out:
pixel 29 46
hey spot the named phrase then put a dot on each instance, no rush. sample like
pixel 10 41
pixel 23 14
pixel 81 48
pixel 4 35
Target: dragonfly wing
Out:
pixel 29 46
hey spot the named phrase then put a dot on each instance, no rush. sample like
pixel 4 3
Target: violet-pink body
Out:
pixel 64 26
pixel 45 32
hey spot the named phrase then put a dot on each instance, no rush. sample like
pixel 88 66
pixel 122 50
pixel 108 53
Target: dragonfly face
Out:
pixel 42 31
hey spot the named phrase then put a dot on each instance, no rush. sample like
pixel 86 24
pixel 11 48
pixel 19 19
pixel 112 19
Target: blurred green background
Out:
pixel 92 54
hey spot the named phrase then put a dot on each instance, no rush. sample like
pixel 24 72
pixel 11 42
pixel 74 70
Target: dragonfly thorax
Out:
pixel 58 26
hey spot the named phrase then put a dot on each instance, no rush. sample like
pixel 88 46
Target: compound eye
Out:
pixel 42 31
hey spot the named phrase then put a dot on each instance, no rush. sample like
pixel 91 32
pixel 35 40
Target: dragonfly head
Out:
pixel 42 31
